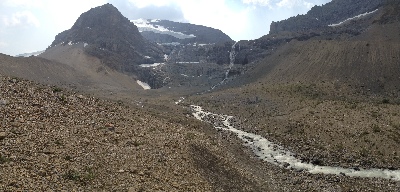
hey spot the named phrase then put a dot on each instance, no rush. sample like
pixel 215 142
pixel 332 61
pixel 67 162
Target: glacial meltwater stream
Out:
pixel 277 155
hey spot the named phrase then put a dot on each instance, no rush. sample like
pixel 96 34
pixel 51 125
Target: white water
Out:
pixel 232 56
pixel 277 155
pixel 181 99
pixel 352 18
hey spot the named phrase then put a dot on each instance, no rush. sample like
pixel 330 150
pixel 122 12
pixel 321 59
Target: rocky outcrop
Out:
pixel 320 17
pixel 110 36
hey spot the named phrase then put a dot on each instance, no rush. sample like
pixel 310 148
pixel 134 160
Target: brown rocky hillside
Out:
pixel 58 140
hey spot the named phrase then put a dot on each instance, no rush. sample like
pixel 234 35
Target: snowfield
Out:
pixel 144 85
pixel 145 25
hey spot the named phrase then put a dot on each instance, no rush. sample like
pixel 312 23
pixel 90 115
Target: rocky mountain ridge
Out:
pixel 320 17
pixel 110 36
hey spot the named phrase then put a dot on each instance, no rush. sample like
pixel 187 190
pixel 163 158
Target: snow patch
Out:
pixel 85 44
pixel 151 65
pixel 145 25
pixel 352 18
pixel 147 57
pixel 188 62
pixel 277 155
pixel 143 84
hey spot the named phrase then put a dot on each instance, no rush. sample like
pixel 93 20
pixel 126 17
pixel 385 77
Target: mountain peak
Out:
pixel 103 16
pixel 111 37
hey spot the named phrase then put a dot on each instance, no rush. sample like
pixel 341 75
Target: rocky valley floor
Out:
pixel 321 125
pixel 55 139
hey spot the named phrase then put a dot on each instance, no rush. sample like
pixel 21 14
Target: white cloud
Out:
pixel 22 3
pixel 280 3
pixel 158 3
pixel 22 18
pixel 293 3
pixel 257 2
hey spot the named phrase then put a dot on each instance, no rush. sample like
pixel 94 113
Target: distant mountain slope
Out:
pixel 90 75
pixel 164 31
pixel 111 37
pixel 40 70
pixel 369 60
pixel 333 12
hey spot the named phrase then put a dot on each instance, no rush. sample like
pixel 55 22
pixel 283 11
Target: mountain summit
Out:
pixel 108 35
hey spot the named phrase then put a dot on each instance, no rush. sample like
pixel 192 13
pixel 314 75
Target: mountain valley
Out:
pixel 114 105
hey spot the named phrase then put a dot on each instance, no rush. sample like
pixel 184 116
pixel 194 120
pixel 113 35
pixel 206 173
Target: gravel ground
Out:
pixel 56 140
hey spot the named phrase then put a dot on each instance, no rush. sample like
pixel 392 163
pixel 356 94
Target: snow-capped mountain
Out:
pixel 164 31
pixel 150 25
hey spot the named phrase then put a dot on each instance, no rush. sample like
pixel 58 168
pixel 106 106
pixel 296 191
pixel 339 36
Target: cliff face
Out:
pixel 111 37
pixel 320 17
pixel 185 42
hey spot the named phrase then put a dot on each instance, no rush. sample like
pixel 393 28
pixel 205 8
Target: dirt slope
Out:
pixel 40 70
pixel 56 140
pixel 101 76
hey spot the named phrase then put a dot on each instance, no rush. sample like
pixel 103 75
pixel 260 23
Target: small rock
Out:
pixel 132 189
pixel 110 127
pixel 3 102
pixel 175 184
pixel 3 135
pixel 49 151
pixel 356 169
pixel 86 141
pixel 285 165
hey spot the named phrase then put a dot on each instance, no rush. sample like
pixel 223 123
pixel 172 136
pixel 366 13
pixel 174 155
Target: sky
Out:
pixel 27 26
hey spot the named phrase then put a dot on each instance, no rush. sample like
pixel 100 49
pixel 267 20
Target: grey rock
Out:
pixel 3 102
pixel 3 135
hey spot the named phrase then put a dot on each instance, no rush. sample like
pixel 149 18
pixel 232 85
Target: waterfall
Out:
pixel 232 57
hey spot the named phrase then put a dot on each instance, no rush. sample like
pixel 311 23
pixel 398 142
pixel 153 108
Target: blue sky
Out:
pixel 31 25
